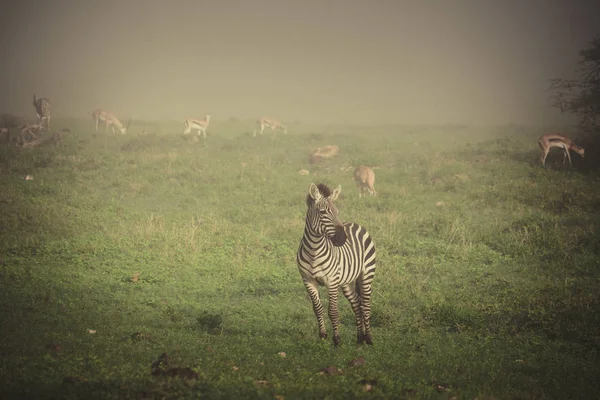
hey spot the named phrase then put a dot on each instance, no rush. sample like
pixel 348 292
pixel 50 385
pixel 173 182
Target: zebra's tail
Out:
pixel 34 101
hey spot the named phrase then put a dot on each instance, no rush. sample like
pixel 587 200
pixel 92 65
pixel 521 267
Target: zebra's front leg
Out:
pixel 354 300
pixel 313 292
pixel 333 313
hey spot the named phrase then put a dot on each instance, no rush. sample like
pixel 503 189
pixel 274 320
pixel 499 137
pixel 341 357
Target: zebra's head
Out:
pixel 323 214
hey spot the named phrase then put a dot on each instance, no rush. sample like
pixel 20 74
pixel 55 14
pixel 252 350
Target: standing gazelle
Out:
pixel 43 109
pixel 263 123
pixel 109 119
pixel 365 180
pixel 551 140
pixel 336 255
pixel 198 124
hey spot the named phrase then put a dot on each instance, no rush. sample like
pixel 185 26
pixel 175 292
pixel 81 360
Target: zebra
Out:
pixel 43 109
pixel 336 255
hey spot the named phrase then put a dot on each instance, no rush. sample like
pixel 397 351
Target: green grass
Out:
pixel 487 283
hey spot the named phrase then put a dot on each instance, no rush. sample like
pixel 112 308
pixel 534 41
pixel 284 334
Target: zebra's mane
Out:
pixel 323 189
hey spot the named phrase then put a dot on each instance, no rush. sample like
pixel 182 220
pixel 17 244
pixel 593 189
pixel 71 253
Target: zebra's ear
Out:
pixel 336 193
pixel 313 192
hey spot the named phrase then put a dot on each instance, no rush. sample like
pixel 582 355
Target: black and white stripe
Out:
pixel 43 109
pixel 336 255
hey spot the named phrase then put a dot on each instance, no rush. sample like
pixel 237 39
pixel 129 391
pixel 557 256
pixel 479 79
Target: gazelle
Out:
pixel 551 140
pixel 364 177
pixel 197 124
pixel 263 123
pixel 321 153
pixel 57 138
pixel 109 119
pixel 43 109
pixel 4 134
pixel 32 129
pixel 29 133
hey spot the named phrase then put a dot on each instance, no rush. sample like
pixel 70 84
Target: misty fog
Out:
pixel 346 61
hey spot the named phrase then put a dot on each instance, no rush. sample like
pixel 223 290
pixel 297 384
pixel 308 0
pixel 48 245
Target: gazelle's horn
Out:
pixel 128 123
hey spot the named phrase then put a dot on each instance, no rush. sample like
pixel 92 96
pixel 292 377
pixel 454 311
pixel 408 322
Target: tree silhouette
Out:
pixel 581 96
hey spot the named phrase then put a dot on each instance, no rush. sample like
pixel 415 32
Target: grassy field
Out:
pixel 123 248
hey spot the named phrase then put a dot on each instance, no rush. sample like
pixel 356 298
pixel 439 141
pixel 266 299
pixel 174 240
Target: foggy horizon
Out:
pixel 334 61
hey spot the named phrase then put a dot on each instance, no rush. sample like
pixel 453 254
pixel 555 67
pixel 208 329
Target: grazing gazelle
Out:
pixel 32 129
pixel 263 123
pixel 551 140
pixel 29 133
pixel 4 134
pixel 198 124
pixel 109 119
pixel 321 153
pixel 43 109
pixel 365 180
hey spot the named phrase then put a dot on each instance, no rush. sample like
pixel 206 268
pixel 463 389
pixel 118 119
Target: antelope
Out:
pixel 57 138
pixel 109 119
pixel 198 124
pixel 263 123
pixel 321 153
pixel 4 134
pixel 364 177
pixel 329 151
pixel 31 129
pixel 551 140
pixel 28 133
pixel 43 109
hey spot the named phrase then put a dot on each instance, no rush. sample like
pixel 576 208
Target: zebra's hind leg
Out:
pixel 365 304
pixel 313 292
pixel 354 300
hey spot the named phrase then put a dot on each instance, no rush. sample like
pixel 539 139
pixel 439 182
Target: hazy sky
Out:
pixel 401 61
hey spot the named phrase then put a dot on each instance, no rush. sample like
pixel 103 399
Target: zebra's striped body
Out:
pixel 338 256
pixel 43 109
